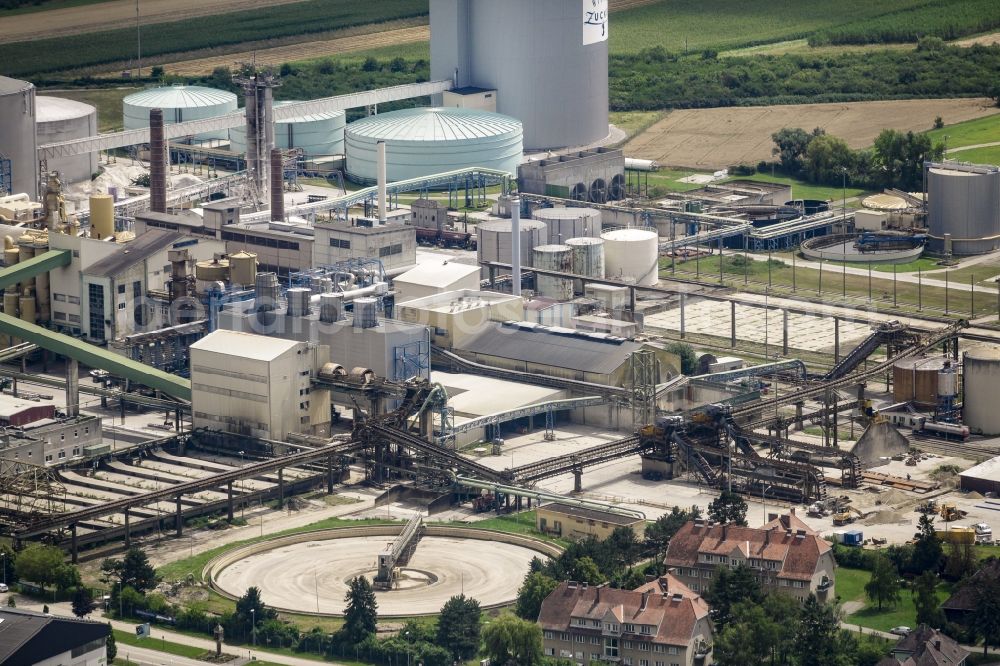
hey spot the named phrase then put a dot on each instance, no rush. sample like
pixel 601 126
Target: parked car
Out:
pixel 900 631
pixel 4 588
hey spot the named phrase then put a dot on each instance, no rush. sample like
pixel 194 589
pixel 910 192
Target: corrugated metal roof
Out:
pixel 542 345
pixel 179 97
pixel 435 124
pixel 143 247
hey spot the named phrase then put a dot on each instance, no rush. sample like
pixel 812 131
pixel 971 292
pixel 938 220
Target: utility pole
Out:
pixel 138 39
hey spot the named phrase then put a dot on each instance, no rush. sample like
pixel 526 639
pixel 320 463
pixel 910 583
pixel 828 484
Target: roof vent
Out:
pixel 800 534
pixel 678 597
pixel 571 584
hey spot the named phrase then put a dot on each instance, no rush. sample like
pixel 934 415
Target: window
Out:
pixel 121 289
pixel 629 628
pixel 627 661
pixel 342 244
pixel 59 315
pixel 48 457
pixel 95 294
pixel 671 650
pixel 627 645
pixel 644 662
pixel 643 647
pixel 646 629
pixel 76 450
pixel 62 437
pixel 595 640
pixel 549 652
pixel 121 306
pixel 610 647
pixel 86 430
pixel 137 289
pixel 75 318
pixel 62 454
pixel 548 635
pixel 578 638
pixel 73 300
pixel 59 297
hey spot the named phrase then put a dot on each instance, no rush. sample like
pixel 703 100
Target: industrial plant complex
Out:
pixel 409 324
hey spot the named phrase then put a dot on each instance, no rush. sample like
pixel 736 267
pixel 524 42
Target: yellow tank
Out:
pixel 11 256
pixel 102 215
pixel 10 303
pixel 27 304
pixel 216 270
pixel 243 268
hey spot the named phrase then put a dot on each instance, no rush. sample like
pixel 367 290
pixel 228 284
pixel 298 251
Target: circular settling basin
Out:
pixel 313 576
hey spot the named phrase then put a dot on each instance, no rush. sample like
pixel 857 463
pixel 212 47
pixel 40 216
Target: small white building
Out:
pixel 455 316
pixel 256 386
pixel 435 277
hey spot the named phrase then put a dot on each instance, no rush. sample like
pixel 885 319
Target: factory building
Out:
pixel 18 160
pixel 547 60
pixel 429 279
pixel 256 386
pixel 49 441
pixel 983 478
pixel 395 245
pixel 62 120
pixel 456 316
pixel 29 638
pixel 573 522
pixel 423 142
pixel 963 215
pixel 597 176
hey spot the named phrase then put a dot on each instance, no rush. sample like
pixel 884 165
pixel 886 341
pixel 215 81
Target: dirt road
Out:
pixel 116 14
pixel 717 138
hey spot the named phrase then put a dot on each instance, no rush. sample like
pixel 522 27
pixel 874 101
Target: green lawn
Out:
pixel 850 583
pixel 983 273
pixel 635 122
pixel 804 190
pixel 988 155
pixel 125 638
pixel 922 264
pixel 108 102
pixel 969 133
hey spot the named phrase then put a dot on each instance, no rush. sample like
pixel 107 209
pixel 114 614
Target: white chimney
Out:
pixel 515 244
pixel 381 175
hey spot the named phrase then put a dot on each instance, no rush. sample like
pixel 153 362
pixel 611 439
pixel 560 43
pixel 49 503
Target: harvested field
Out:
pixel 115 14
pixel 984 40
pixel 716 138
pixel 304 50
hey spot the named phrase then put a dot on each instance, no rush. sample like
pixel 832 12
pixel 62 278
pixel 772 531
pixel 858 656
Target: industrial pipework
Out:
pixel 541 495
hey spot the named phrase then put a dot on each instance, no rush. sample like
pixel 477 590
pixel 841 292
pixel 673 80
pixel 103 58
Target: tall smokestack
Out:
pixel 381 175
pixel 515 244
pixel 157 163
pixel 277 186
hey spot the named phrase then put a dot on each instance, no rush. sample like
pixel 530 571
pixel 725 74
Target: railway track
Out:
pixel 939 446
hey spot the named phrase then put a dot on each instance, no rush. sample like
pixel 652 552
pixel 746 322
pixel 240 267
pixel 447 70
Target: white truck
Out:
pixel 984 534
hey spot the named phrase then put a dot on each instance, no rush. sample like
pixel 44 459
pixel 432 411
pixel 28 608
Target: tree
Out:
pixel 511 641
pixel 986 619
pixel 361 614
pixel 883 587
pixel 925 600
pixel 728 508
pixel 131 599
pixel 66 576
pixel 927 550
pixel 901 157
pixel 133 570
pixel 817 641
pixel 458 627
pixel 689 360
pixel 8 557
pixel 111 645
pixel 731 587
pixel 827 159
pixel 535 587
pixel 156 72
pixel 790 145
pixel 961 561
pixel 38 563
pixel 625 545
pixel 662 530
pixel 83 603
pixel 585 570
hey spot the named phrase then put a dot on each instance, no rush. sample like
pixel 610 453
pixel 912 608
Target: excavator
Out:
pixel 847 514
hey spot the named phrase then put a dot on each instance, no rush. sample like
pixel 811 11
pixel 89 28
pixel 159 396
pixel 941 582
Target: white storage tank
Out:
pixel 60 119
pixel 588 256
pixel 494 240
pixel 317 134
pixel 566 223
pixel 180 103
pixel 426 141
pixel 553 258
pixel 17 135
pixel 632 255
pixel 981 382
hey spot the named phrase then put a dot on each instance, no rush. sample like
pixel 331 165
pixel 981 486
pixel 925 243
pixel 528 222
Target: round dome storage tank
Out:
pixel 17 135
pixel 493 240
pixel 588 256
pixel 547 60
pixel 243 268
pixel 632 256
pixel 179 103
pixel 566 223
pixel 61 119
pixel 316 134
pixel 423 142
pixel 964 201
pixel 981 381
pixel 553 258
pixel 916 380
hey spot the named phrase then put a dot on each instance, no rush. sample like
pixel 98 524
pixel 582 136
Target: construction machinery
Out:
pixel 950 512
pixel 847 514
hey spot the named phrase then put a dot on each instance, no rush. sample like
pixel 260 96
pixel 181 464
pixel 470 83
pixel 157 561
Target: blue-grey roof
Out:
pixel 597 353
pixel 27 637
pixel 434 124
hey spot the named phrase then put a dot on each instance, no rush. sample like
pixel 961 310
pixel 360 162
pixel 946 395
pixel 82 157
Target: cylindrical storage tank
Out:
pixel 964 201
pixel 553 258
pixel 566 223
pixel 981 382
pixel 180 103
pixel 10 300
pixel 947 382
pixel 60 119
pixel 102 216
pixel 588 256
pixel 426 141
pixel 215 270
pixel 298 301
pixel 243 268
pixel 365 312
pixel 316 134
pixel 26 303
pixel 547 59
pixel 11 255
pixel 632 255
pixel 17 134
pixel 916 380
pixel 493 240
pixel 266 291
pixel 331 307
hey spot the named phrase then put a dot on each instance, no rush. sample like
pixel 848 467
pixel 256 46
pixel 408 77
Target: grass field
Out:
pixel 851 587
pixel 668 179
pixel 124 638
pixel 970 132
pixel 987 155
pixel 107 101
pixel 45 6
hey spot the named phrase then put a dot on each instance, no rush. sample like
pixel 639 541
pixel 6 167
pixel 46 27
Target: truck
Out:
pixel 984 533
pixel 957 534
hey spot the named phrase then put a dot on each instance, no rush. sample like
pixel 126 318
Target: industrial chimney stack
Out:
pixel 277 186
pixel 157 163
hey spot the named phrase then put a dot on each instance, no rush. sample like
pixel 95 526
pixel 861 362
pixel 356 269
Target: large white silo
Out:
pixel 317 134
pixel 59 119
pixel 17 135
pixel 632 255
pixel 179 103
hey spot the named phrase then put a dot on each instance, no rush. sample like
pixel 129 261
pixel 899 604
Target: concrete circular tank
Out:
pixel 180 103
pixel 916 380
pixel 963 201
pixel 553 258
pixel 494 240
pixel 566 223
pixel 426 141
pixel 547 59
pixel 316 134
pixel 17 134
pixel 981 384
pixel 632 255
pixel 60 119
pixel 588 256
